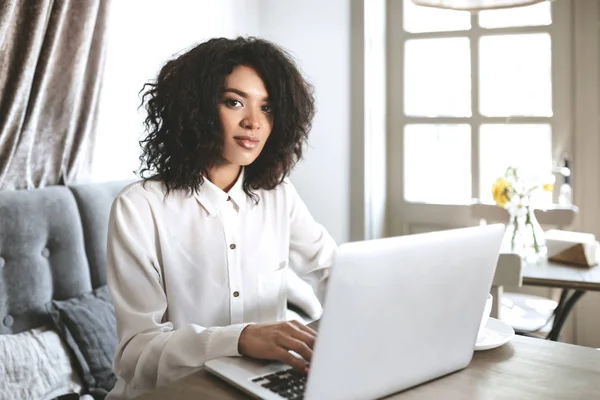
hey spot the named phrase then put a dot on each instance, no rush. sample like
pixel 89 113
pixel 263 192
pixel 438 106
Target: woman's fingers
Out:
pixel 278 341
pixel 304 328
pixel 302 332
pixel 304 337
pixel 290 343
pixel 297 363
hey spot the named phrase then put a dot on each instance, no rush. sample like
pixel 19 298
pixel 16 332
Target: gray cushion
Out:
pixel 87 324
pixel 94 202
pixel 42 255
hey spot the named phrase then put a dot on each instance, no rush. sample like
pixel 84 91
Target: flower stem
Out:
pixel 514 235
pixel 536 246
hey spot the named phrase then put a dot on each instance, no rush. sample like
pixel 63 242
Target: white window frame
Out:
pixel 405 217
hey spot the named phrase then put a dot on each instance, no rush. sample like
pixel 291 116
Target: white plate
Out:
pixel 494 334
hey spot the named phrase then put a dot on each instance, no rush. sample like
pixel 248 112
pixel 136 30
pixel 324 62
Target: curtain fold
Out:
pixel 51 62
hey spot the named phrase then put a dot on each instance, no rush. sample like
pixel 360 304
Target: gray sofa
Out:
pixel 52 248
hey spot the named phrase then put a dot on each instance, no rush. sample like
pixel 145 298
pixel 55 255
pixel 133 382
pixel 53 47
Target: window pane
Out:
pixel 537 14
pixel 526 146
pixel 437 163
pixel 515 75
pixel 428 19
pixel 437 77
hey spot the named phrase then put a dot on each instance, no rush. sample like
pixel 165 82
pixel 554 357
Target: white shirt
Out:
pixel 188 272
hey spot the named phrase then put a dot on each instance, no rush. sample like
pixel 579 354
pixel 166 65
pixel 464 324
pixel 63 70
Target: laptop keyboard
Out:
pixel 288 384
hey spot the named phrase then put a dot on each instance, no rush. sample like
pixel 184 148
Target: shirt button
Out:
pixel 232 246
pixel 8 321
pixel 236 294
pixel 228 198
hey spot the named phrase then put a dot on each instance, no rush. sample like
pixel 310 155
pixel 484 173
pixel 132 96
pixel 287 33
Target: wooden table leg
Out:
pixel 562 312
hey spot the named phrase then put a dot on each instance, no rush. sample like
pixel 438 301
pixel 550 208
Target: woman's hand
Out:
pixel 274 341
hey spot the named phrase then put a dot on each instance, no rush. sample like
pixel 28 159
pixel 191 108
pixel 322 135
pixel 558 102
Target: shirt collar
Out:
pixel 213 198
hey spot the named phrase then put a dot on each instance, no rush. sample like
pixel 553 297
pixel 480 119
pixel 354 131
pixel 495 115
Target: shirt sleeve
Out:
pixel 150 351
pixel 312 249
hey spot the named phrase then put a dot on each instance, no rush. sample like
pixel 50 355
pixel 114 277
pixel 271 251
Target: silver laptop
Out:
pixel 398 312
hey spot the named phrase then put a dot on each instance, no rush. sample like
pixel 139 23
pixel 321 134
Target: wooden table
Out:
pixel 566 277
pixel 524 368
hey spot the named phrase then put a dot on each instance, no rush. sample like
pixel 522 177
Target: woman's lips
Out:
pixel 246 142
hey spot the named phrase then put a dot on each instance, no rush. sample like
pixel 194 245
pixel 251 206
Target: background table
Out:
pixel 573 280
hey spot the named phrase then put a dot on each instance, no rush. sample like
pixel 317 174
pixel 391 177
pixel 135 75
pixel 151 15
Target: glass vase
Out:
pixel 524 235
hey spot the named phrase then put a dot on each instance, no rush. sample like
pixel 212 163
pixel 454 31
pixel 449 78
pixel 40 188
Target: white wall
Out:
pixel 586 164
pixel 143 35
pixel 317 33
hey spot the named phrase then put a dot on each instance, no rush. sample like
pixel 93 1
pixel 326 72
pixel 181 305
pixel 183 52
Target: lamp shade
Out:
pixel 475 5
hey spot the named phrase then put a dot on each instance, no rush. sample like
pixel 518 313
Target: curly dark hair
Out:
pixel 185 138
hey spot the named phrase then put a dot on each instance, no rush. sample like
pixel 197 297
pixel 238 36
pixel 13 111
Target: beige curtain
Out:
pixel 51 63
pixel 475 5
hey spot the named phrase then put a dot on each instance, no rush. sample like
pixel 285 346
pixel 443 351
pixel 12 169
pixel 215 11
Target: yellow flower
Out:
pixel 500 190
pixel 548 187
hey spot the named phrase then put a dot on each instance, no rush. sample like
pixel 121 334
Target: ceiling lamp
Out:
pixel 475 5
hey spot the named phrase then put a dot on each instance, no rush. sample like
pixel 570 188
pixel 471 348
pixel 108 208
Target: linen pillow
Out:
pixel 87 324
pixel 35 365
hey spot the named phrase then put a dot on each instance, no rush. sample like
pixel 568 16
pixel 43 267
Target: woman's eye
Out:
pixel 267 109
pixel 233 103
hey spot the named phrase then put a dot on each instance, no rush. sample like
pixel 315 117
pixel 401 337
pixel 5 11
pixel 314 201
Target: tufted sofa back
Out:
pixel 52 246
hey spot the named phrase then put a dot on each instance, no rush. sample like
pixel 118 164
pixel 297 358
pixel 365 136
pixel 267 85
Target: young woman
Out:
pixel 206 250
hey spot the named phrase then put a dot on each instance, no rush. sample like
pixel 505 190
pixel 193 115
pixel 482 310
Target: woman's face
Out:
pixel 245 115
